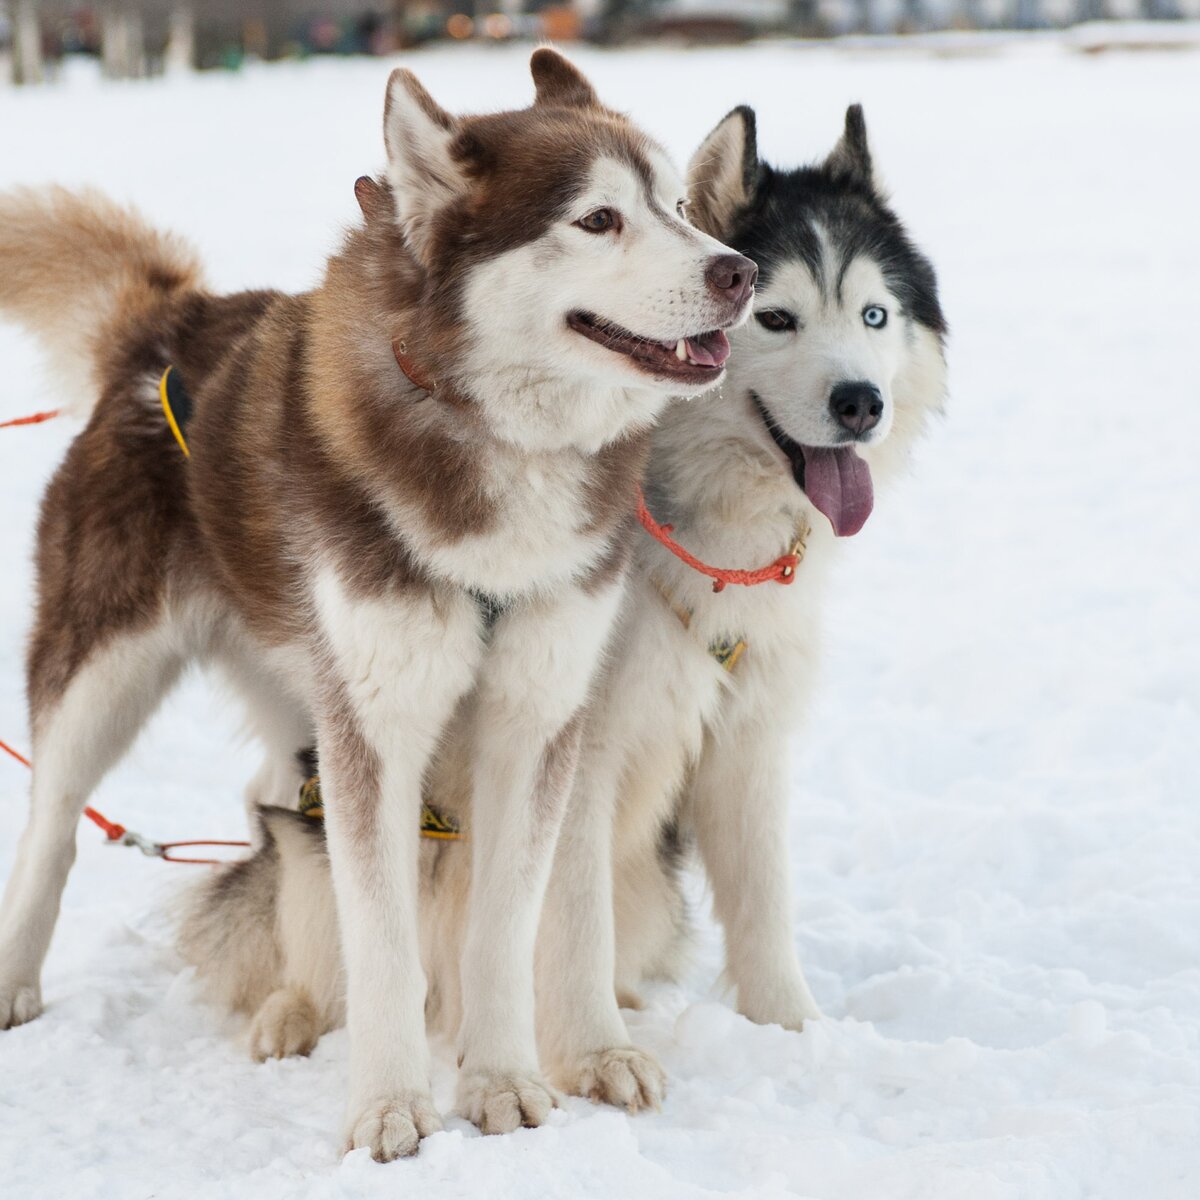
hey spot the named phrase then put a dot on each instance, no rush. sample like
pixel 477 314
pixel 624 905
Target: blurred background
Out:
pixel 137 38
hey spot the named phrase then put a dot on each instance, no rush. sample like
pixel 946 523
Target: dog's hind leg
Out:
pixel 582 1034
pixel 310 997
pixel 79 732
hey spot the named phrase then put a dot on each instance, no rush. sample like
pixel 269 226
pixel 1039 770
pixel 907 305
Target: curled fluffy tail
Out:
pixel 74 266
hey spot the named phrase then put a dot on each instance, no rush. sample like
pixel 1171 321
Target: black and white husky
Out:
pixel 827 388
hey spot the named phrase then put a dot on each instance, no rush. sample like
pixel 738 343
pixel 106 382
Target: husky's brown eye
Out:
pixel 681 209
pixel 776 320
pixel 600 221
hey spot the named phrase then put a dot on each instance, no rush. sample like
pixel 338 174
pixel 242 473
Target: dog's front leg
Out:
pixel 392 670
pixel 739 808
pixel 527 727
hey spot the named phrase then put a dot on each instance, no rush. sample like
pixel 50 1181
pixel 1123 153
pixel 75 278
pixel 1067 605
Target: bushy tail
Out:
pixel 74 266
pixel 230 933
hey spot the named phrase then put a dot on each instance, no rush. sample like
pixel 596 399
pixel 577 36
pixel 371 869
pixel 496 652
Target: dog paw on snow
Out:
pixel 19 1002
pixel 791 1008
pixel 393 1128
pixel 287 1023
pixel 500 1102
pixel 622 1076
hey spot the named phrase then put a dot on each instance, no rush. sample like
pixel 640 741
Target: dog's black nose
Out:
pixel 857 406
pixel 731 276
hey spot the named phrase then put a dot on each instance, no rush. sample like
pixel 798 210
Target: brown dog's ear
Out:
pixel 851 157
pixel 372 199
pixel 423 173
pixel 559 83
pixel 723 173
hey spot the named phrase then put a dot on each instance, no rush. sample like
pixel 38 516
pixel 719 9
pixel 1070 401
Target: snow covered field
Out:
pixel 996 820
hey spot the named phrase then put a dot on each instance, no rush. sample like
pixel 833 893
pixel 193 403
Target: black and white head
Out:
pixel 845 351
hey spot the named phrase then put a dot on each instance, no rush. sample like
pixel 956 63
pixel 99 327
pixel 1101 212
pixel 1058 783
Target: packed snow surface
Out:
pixel 995 822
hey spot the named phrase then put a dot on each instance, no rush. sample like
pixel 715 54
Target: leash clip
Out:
pixel 149 848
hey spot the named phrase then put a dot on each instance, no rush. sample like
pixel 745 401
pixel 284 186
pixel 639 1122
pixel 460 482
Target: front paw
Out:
pixel 19 1002
pixel 622 1076
pixel 393 1127
pixel 792 1008
pixel 501 1101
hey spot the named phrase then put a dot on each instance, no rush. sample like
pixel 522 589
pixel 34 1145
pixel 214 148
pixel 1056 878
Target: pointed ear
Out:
pixel 424 176
pixel 373 199
pixel 851 157
pixel 723 173
pixel 559 82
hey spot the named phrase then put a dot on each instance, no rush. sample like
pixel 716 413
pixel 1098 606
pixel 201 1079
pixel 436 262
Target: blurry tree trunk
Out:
pixel 180 54
pixel 26 42
pixel 122 43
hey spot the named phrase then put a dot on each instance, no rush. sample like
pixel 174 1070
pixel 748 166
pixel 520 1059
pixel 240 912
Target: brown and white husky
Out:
pixel 409 493
pixel 826 392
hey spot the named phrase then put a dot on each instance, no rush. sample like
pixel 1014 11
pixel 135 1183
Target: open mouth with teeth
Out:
pixel 697 358
pixel 834 478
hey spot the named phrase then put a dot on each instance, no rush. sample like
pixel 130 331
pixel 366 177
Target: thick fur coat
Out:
pixel 408 496
pixel 843 366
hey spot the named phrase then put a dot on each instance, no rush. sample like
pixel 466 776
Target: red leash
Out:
pixel 35 419
pixel 118 833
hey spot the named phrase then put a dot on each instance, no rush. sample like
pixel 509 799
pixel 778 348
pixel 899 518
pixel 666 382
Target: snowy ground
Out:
pixel 995 827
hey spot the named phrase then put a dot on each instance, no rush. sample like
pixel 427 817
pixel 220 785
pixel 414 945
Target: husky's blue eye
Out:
pixel 875 317
pixel 601 220
pixel 777 320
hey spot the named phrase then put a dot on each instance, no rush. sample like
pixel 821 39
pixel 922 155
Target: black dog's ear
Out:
pixel 559 82
pixel 723 173
pixel 851 157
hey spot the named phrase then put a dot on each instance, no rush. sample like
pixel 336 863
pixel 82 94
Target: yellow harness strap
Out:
pixel 723 650
pixel 166 385
pixel 433 823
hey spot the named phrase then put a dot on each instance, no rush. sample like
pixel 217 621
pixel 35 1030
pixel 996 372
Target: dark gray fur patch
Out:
pixel 780 225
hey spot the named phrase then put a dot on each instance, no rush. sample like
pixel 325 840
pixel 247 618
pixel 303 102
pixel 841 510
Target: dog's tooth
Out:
pixel 681 350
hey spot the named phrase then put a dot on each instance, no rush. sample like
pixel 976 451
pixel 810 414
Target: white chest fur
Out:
pixel 537 538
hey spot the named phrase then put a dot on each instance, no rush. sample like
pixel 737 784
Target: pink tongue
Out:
pixel 711 352
pixel 838 482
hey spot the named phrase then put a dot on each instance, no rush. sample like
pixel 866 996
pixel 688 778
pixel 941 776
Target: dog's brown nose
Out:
pixel 857 406
pixel 731 276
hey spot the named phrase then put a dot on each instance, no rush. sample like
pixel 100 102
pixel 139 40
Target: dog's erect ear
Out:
pixel 851 157
pixel 373 199
pixel 424 176
pixel 559 82
pixel 723 173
